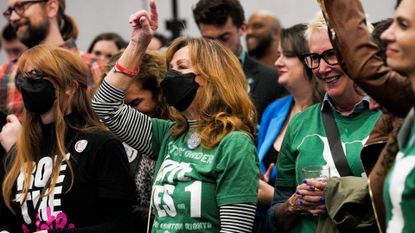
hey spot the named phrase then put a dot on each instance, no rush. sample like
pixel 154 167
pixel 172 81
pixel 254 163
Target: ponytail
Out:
pixel 68 27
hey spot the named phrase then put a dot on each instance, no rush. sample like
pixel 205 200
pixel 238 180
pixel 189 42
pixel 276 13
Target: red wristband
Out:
pixel 125 70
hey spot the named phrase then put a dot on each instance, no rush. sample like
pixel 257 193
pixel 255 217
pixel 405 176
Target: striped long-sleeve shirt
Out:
pixel 143 133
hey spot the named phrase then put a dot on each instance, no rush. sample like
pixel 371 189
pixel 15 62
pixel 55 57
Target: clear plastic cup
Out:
pixel 316 172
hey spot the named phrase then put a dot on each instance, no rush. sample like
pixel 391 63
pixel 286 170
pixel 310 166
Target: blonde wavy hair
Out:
pixel 318 23
pixel 223 103
pixel 68 73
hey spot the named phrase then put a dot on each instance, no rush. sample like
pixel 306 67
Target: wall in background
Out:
pixel 96 16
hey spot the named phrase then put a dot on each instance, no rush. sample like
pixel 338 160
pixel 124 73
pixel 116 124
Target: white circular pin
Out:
pixel 80 145
pixel 194 141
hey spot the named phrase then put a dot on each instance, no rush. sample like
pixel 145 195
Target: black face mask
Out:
pixel 38 94
pixel 179 89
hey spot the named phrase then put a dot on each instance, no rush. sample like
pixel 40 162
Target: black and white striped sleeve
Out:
pixel 237 218
pixel 131 126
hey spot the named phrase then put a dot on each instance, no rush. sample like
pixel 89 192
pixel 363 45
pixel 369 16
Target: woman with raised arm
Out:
pixel 207 168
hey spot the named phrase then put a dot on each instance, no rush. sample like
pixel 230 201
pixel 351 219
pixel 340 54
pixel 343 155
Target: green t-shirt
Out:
pixel 191 185
pixel 305 143
pixel 399 187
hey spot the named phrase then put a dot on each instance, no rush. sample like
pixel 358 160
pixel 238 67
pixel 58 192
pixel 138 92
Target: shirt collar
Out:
pixel 70 45
pixel 242 56
pixel 406 136
pixel 361 106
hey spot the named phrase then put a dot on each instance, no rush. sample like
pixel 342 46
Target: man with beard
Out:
pixel 38 22
pixel 224 21
pixel 262 37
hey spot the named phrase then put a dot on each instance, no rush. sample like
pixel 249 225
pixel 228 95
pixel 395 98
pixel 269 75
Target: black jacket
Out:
pixel 263 84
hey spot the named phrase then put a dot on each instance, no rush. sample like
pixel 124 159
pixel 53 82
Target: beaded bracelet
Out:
pixel 124 70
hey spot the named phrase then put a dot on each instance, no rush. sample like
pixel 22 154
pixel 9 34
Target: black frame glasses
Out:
pixel 312 60
pixel 20 7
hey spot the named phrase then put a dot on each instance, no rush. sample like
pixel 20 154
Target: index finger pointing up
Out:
pixel 153 15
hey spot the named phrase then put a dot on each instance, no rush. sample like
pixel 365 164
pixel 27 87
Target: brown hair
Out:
pixel 294 44
pixel 68 73
pixel 110 36
pixel 67 25
pixel 223 102
pixel 152 71
pixel 216 12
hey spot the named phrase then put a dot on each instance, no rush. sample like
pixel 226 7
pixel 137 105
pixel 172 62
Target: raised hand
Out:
pixel 143 25
pixel 265 177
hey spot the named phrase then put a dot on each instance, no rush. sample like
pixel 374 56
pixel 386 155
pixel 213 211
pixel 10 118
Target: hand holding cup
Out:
pixel 315 179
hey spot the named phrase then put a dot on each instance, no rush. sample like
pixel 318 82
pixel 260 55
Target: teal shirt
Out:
pixel 305 143
pixel 399 186
pixel 191 185
pixel 242 57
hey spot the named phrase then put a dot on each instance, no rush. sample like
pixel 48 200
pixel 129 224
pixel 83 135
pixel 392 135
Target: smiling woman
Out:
pixel 399 183
pixel 400 37
pixel 298 79
pixel 297 204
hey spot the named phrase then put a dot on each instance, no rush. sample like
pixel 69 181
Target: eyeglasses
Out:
pixel 312 60
pixel 20 8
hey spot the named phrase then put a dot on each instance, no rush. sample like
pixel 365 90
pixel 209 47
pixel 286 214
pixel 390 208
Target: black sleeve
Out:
pixel 8 221
pixel 281 194
pixel 112 172
pixel 121 218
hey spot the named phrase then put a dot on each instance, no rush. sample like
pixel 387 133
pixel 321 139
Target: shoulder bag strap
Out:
pixel 336 149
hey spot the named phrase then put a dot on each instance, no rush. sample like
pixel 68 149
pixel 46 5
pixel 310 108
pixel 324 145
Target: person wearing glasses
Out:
pixel 392 178
pixel 297 202
pixel 381 81
pixel 66 171
pixel 298 79
pixel 40 22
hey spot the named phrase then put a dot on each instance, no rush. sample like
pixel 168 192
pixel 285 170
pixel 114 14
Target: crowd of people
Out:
pixel 309 129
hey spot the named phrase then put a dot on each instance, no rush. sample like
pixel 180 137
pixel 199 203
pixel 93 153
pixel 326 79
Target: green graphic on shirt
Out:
pixel 192 184
pixel 399 186
pixel 305 143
